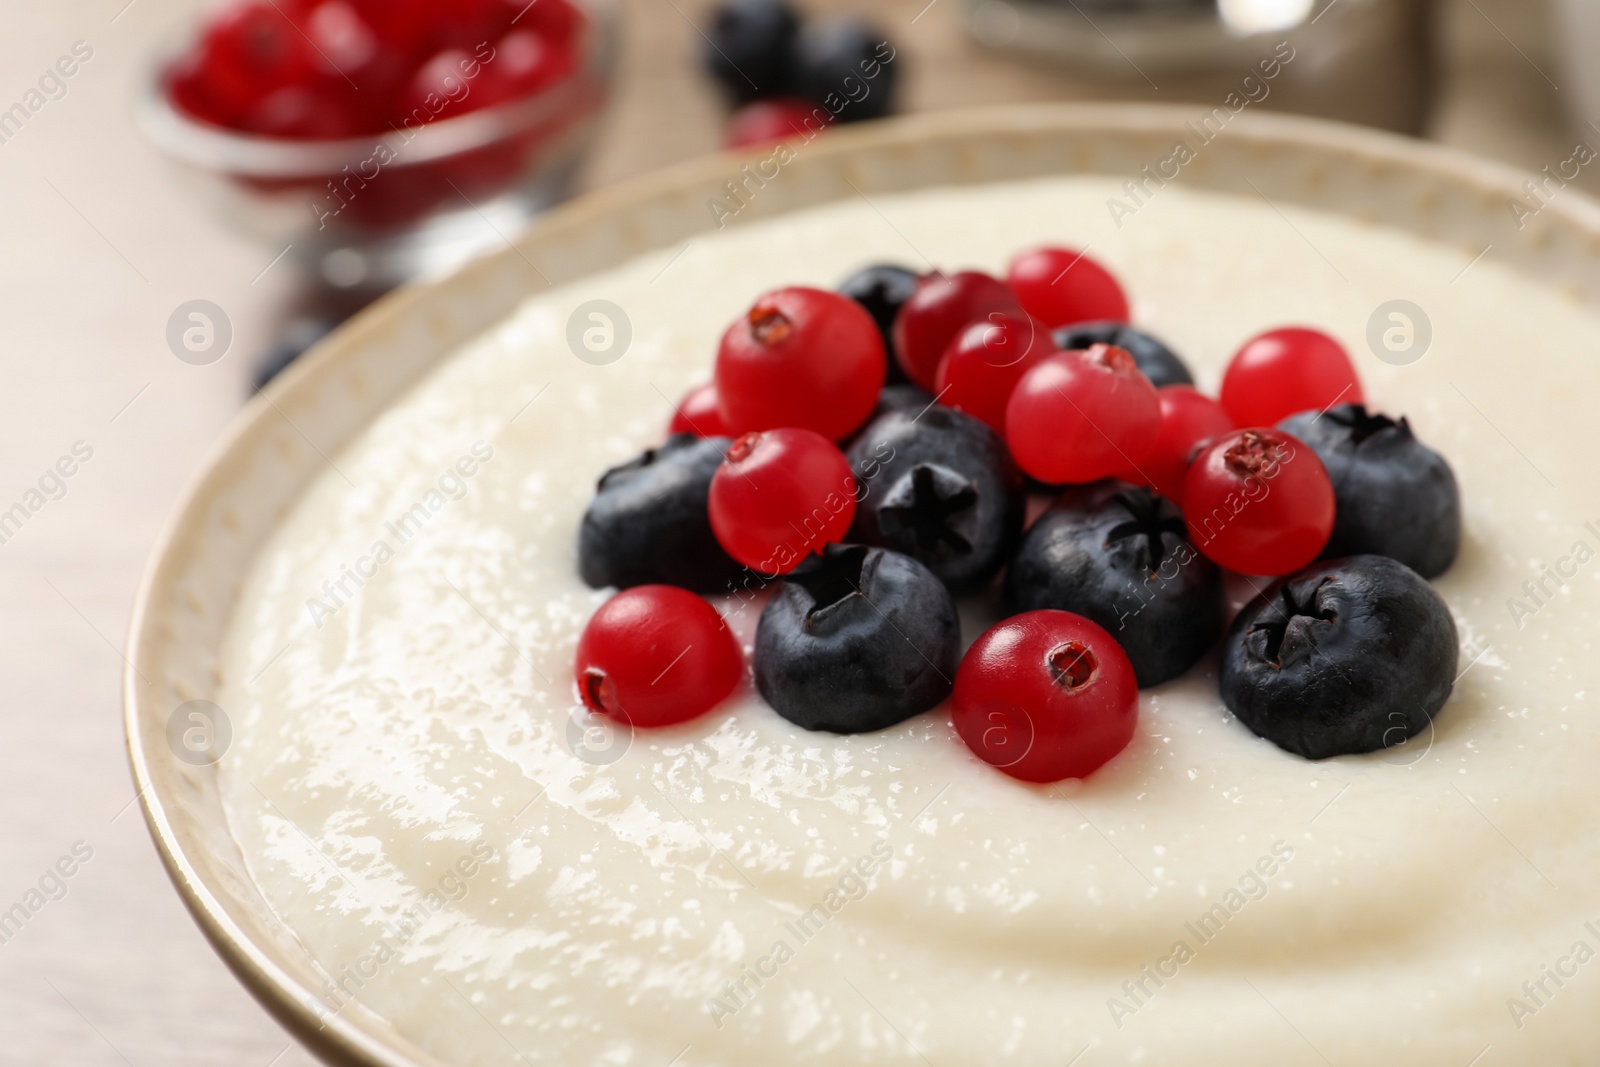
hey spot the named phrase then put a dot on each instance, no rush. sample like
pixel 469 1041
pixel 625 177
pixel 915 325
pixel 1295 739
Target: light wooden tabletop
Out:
pixel 97 248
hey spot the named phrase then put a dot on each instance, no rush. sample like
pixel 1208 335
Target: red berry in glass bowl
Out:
pixel 1045 695
pixel 1081 416
pixel 1283 372
pixel 1188 418
pixel 656 655
pixel 244 53
pixel 779 496
pixel 524 63
pixel 800 357
pixel 941 305
pixel 776 119
pixel 1061 286
pixel 1258 501
pixel 697 413
pixel 986 359
pixel 343 43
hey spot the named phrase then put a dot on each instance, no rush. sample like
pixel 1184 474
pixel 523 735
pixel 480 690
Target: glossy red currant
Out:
pixel 941 305
pixel 656 655
pixel 780 118
pixel 1286 371
pixel 1061 286
pixel 800 357
pixel 779 496
pixel 1258 501
pixel 1081 416
pixel 697 413
pixel 1188 418
pixel 1045 695
pixel 986 359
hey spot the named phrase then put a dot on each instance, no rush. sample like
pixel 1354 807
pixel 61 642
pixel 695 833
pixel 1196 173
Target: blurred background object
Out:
pixel 104 250
pixel 1366 61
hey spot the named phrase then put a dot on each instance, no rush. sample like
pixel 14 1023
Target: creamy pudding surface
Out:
pixel 505 883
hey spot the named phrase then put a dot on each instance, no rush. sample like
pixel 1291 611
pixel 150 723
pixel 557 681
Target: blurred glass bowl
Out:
pixel 371 212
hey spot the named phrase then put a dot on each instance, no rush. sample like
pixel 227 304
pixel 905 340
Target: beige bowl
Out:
pixel 279 442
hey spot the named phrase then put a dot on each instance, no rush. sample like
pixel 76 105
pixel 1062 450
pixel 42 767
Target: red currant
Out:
pixel 779 496
pixel 936 312
pixel 775 119
pixel 985 360
pixel 1286 371
pixel 1258 502
pixel 1061 286
pixel 440 87
pixel 1081 416
pixel 697 413
pixel 1188 418
pixel 800 357
pixel 524 63
pixel 656 655
pixel 344 43
pixel 245 52
pixel 1045 695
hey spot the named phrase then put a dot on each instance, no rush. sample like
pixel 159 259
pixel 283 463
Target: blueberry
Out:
pixel 1155 360
pixel 940 486
pixel 648 523
pixel 1347 656
pixel 750 48
pixel 1395 496
pixel 881 289
pixel 855 640
pixel 847 66
pixel 1119 555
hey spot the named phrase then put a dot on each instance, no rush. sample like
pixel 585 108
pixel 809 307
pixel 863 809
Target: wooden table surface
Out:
pixel 98 247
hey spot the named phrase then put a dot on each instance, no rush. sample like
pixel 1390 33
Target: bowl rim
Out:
pixel 246 155
pixel 340 1039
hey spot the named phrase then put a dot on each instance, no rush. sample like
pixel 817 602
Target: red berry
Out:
pixel 800 357
pixel 1286 371
pixel 523 64
pixel 1045 695
pixel 936 312
pixel 245 52
pixel 1061 286
pixel 1081 416
pixel 697 413
pixel 775 119
pixel 298 112
pixel 1258 502
pixel 344 42
pixel 655 655
pixel 440 86
pixel 555 20
pixel 779 496
pixel 985 361
pixel 1188 418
